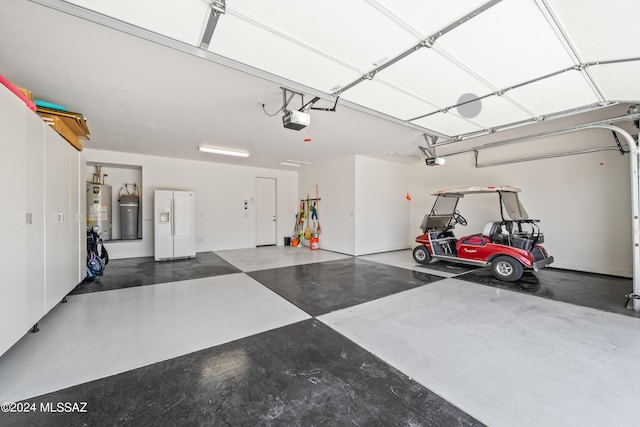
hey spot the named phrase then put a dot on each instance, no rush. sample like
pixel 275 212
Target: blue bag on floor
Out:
pixel 97 256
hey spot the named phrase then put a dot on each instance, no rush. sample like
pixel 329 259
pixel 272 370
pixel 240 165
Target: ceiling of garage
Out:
pixel 164 76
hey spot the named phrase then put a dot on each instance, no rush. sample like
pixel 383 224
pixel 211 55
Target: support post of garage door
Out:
pixel 635 208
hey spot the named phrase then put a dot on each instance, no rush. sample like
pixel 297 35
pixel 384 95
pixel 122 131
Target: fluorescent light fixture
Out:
pixel 302 162
pixel 223 151
pixel 289 164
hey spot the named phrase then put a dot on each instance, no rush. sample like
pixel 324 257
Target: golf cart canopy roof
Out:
pixel 476 190
pixel 447 201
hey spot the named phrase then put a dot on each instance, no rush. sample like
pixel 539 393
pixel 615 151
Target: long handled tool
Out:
pixel 300 227
pixel 314 217
pixel 307 232
pixel 317 208
pixel 295 225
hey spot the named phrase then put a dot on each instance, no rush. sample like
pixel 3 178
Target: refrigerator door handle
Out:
pixel 173 217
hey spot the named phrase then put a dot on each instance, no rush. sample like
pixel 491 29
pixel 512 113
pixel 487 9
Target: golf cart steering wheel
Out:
pixel 459 219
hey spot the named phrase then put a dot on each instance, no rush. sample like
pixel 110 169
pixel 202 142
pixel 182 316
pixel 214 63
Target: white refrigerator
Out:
pixel 175 224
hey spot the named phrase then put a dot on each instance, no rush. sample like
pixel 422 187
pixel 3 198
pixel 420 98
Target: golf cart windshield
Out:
pixel 445 205
pixel 441 213
pixel 512 205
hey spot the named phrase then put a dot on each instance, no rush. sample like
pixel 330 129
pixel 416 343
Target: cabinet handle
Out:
pixel 24 218
pixel 58 217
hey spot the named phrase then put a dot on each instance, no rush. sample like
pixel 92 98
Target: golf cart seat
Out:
pixel 492 230
pixel 490 233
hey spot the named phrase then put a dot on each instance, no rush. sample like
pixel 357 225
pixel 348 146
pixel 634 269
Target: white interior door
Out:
pixel 265 211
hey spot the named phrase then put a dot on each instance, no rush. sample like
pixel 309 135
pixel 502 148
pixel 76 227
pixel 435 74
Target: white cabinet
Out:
pixel 41 256
pixel 34 189
pixel 79 233
pixel 57 218
pixel 62 218
pixel 14 219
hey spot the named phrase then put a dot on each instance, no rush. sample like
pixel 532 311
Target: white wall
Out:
pixel 220 190
pixel 583 201
pixel 363 208
pixel 382 210
pixel 337 211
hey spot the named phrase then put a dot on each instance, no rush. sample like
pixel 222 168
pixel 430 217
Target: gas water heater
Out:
pixel 129 211
pixel 99 205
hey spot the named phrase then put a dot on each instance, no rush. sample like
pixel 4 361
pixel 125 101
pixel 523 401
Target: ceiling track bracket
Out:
pixel 430 151
pixel 310 105
pixel 286 101
pixel 218 8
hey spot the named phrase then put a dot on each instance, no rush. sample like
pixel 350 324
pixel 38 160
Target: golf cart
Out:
pixel 510 246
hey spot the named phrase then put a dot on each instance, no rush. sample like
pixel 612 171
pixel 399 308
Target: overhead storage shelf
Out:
pixel 71 126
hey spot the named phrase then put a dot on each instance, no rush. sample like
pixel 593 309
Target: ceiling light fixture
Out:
pixel 299 161
pixel 289 164
pixel 223 151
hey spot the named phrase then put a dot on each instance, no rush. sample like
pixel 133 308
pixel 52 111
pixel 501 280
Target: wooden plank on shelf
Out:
pixel 60 126
pixel 75 121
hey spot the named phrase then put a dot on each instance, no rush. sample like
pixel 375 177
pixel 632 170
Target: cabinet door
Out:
pixel 56 218
pixel 81 226
pixel 13 220
pixel 73 159
pixel 35 204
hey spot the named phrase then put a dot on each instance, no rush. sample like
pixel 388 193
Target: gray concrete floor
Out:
pixel 289 336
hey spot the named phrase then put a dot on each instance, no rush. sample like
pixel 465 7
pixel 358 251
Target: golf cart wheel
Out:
pixel 506 268
pixel 421 254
